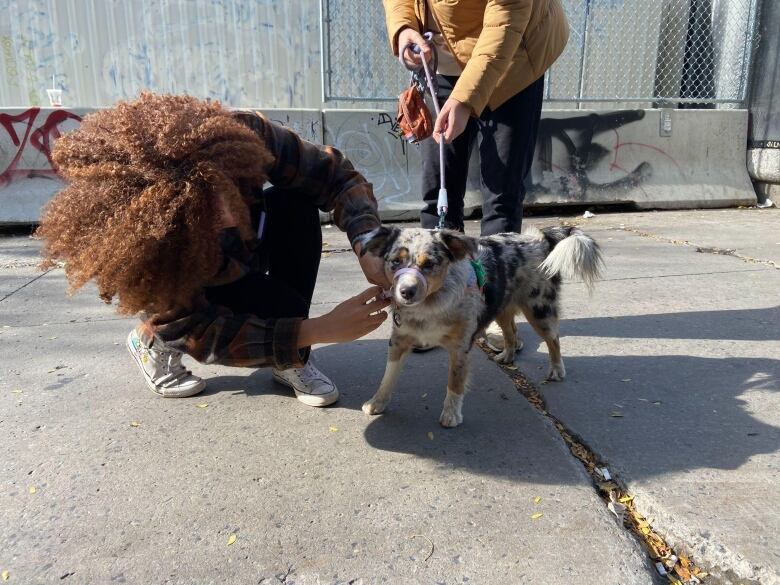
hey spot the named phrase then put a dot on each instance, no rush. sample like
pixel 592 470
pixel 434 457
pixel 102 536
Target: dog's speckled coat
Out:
pixel 523 271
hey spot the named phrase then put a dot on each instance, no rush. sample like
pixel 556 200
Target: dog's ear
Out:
pixel 379 241
pixel 460 245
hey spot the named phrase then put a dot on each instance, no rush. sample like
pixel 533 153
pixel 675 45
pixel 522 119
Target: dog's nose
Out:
pixel 407 292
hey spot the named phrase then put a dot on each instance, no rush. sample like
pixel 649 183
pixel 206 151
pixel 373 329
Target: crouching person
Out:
pixel 165 209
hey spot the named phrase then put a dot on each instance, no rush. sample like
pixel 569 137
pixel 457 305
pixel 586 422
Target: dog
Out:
pixel 439 297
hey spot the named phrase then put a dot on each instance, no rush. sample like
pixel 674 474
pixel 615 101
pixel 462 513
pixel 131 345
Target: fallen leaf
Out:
pixel 536 516
pixel 333 429
pixel 232 539
pixel 5 575
pixel 537 499
pixel 135 423
pixel 430 435
pixel 32 489
pixel 202 405
pixel 616 507
pixel 616 414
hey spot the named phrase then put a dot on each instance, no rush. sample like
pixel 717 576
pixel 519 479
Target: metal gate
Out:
pixel 620 51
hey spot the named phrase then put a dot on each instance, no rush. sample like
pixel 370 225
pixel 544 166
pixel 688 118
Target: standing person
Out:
pixel 492 56
pixel 165 210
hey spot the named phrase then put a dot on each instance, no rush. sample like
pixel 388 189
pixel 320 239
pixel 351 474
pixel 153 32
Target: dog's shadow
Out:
pixel 708 400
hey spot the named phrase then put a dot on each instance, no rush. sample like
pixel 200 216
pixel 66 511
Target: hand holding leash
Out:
pixel 411 46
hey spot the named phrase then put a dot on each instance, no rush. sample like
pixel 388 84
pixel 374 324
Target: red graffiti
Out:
pixel 40 138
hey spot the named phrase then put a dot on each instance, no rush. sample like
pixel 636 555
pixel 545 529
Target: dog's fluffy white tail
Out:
pixel 574 254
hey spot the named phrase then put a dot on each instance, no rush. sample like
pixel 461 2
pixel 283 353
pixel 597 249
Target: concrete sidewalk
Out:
pixel 334 496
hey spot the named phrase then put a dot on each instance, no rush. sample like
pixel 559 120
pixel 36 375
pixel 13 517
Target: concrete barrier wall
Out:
pixel 581 158
pixel 27 180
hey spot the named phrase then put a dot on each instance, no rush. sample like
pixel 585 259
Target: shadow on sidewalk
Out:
pixel 679 413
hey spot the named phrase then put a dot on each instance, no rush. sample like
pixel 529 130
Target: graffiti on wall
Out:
pixel 592 158
pixel 26 141
pixel 374 145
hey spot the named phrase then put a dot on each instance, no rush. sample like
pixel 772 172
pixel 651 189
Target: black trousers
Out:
pixel 506 139
pixel 291 248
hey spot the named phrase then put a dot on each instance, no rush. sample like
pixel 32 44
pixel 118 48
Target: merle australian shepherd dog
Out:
pixel 447 287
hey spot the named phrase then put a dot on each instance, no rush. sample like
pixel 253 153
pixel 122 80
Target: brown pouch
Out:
pixel 414 117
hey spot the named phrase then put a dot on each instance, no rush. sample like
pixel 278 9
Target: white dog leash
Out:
pixel 442 205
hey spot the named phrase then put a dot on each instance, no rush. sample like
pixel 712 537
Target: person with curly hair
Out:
pixel 165 209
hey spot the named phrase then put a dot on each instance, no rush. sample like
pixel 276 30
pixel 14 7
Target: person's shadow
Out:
pixel 678 412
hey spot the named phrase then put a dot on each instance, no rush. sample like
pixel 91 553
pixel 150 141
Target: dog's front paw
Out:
pixel 556 373
pixel 449 418
pixel 374 406
pixel 505 357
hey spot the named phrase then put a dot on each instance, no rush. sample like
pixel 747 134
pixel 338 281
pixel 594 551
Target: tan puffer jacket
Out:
pixel 503 46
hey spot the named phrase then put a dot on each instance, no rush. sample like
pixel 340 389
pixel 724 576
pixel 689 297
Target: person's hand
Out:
pixel 373 268
pixel 350 320
pixel 412 60
pixel 451 121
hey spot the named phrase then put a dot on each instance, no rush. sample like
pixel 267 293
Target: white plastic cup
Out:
pixel 55 97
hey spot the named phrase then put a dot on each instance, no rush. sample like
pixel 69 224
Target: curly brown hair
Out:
pixel 148 181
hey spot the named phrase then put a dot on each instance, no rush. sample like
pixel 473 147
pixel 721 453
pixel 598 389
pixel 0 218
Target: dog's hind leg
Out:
pixel 396 356
pixel 506 320
pixel 544 319
pixel 451 414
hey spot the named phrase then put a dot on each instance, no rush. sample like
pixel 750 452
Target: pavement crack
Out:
pixel 674 565
pixel 700 249
pixel 26 284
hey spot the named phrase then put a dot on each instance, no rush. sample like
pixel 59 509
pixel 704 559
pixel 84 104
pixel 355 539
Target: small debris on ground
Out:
pixel 202 405
pixel 430 435
pixel 135 423
pixel 617 507
pixel 536 515
pixel 32 489
pixel 232 539
pixel 333 429
pixel 538 500
pixel 413 536
pixel 588 215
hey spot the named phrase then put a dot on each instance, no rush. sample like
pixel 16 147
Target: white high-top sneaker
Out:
pixel 311 386
pixel 494 338
pixel 162 369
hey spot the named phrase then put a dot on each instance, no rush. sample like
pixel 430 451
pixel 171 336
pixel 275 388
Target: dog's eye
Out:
pixel 427 265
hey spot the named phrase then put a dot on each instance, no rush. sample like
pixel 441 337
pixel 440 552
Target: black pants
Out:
pixel 506 139
pixel 291 247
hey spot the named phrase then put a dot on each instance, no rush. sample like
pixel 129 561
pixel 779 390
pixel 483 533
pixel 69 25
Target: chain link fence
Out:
pixel 687 52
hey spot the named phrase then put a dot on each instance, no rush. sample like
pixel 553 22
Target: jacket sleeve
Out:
pixel 502 33
pixel 213 334
pixel 399 14
pixel 321 172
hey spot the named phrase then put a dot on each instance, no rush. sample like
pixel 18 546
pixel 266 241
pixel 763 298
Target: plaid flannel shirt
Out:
pixel 215 335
